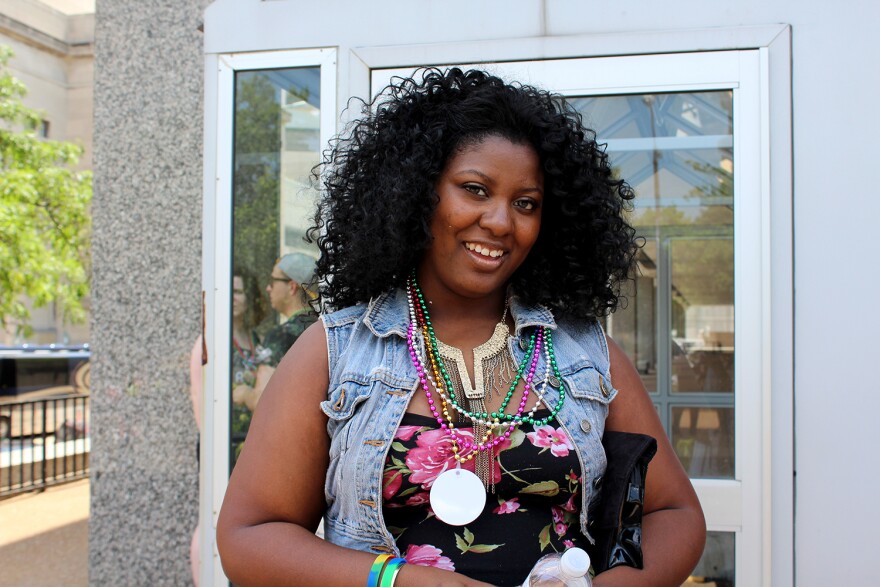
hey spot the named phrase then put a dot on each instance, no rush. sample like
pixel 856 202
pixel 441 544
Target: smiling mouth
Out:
pixel 484 251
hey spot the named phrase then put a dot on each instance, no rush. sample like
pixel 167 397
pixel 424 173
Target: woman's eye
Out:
pixel 527 205
pixel 475 189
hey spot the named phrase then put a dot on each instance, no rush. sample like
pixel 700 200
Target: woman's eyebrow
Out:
pixel 488 179
pixel 475 172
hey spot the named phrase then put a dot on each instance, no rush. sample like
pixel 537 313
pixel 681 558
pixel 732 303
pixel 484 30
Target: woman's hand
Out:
pixel 241 393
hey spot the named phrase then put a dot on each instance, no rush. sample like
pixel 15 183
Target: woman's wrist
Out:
pixel 418 576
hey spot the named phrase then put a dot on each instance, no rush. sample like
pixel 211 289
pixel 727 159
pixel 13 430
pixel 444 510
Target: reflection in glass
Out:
pixel 633 326
pixel 702 315
pixel 248 310
pixel 717 565
pixel 276 145
pixel 676 151
pixel 702 437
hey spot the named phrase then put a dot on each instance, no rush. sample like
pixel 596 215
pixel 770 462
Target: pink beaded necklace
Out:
pixel 420 322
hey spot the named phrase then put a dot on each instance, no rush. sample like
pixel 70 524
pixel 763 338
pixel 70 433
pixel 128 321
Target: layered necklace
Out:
pixel 457 489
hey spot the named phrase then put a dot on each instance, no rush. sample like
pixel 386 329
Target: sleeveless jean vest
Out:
pixel 372 380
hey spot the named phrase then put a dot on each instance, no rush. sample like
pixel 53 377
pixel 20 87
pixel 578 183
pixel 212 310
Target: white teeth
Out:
pixel 484 251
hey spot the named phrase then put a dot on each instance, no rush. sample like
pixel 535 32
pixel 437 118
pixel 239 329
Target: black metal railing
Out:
pixel 43 442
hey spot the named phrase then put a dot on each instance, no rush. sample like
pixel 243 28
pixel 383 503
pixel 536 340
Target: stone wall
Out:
pixel 147 279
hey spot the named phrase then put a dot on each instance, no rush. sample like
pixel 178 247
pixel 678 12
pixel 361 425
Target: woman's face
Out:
pixel 487 218
pixel 239 298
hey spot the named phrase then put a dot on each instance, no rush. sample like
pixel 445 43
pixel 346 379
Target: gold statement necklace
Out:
pixel 493 366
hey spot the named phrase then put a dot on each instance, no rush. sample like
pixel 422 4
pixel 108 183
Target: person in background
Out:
pixel 290 297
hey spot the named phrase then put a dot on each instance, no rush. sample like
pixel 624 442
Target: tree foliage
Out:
pixel 45 224
pixel 257 172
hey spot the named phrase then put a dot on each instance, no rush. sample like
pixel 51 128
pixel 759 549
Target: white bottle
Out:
pixel 569 569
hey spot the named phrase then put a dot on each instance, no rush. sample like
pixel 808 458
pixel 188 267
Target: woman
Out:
pixel 471 233
pixel 247 312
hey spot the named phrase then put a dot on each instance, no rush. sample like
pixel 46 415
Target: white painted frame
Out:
pixel 220 70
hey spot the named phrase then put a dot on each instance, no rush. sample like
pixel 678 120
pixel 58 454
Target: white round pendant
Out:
pixel 457 497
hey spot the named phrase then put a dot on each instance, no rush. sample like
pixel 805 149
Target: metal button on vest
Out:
pixel 553 381
pixel 524 343
pixel 604 389
pixel 586 426
pixel 597 482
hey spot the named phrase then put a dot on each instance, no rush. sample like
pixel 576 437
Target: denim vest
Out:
pixel 372 380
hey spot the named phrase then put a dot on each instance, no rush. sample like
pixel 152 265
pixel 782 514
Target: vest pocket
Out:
pixel 583 380
pixel 353 389
pixel 357 411
pixel 343 405
pixel 344 398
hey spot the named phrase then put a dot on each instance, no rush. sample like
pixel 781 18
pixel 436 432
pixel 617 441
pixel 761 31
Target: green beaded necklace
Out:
pixel 500 413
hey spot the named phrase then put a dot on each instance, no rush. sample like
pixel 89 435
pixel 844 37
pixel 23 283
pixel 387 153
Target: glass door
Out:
pixel 685 131
pixel 275 112
pixel 276 143
pixel 676 149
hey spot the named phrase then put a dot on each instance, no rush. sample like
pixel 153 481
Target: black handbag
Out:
pixel 616 519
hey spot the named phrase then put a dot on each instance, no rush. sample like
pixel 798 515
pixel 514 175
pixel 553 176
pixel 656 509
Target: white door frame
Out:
pixel 220 73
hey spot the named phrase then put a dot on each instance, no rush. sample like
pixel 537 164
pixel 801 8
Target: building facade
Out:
pixel 53 45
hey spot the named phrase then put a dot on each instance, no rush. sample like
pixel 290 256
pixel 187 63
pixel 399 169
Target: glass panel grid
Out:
pixel 676 151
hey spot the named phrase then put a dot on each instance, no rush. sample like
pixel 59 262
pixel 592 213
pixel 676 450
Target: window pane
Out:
pixel 634 326
pixel 676 151
pixel 702 312
pixel 702 437
pixel 717 565
pixel 276 144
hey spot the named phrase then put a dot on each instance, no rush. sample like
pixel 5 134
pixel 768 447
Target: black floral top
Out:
pixel 279 340
pixel 534 510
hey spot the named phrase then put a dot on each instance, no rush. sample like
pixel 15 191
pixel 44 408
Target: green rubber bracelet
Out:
pixel 389 574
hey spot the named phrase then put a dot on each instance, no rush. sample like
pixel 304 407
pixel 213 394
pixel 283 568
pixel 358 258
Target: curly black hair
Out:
pixel 372 223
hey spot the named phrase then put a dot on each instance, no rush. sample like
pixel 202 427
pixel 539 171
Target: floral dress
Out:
pixel 244 369
pixel 534 510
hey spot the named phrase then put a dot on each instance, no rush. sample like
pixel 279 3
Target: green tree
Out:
pixel 45 225
pixel 257 171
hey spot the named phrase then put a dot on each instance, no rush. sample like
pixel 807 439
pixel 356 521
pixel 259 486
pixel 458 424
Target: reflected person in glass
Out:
pixel 290 297
pixel 450 411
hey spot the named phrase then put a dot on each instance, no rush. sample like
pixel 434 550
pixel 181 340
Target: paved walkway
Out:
pixel 44 537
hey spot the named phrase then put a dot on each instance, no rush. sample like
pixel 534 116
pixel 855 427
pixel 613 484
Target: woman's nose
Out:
pixel 497 219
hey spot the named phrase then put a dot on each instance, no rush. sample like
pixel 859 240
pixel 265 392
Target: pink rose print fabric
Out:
pixel 533 511
pixel 554 439
pixel 433 455
pixel 427 556
pixel 507 507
